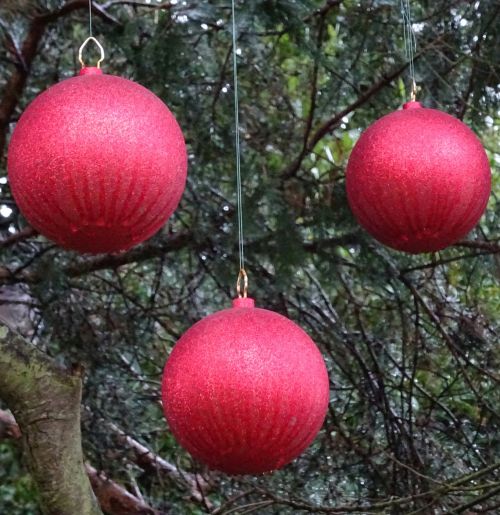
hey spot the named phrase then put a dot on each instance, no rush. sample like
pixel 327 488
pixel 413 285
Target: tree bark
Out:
pixel 45 400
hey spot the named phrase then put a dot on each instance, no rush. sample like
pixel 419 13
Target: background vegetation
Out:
pixel 411 342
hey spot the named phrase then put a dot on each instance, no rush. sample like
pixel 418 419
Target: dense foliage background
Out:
pixel 411 342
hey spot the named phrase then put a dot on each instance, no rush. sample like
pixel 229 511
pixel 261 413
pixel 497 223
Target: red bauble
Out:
pixel 245 390
pixel 418 180
pixel 97 163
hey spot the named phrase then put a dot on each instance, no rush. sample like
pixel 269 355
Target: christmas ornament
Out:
pixel 418 180
pixel 245 390
pixel 97 163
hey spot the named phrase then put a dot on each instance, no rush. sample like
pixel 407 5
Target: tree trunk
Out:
pixel 45 400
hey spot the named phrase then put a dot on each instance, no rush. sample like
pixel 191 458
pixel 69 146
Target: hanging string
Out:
pixel 90 19
pixel 410 44
pixel 239 195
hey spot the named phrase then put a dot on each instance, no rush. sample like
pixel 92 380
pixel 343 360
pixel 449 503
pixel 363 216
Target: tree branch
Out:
pixel 144 252
pixel 150 462
pixel 334 121
pixel 492 247
pixel 8 426
pixel 22 235
pixel 134 3
pixel 113 498
pixel 84 266
pixel 330 124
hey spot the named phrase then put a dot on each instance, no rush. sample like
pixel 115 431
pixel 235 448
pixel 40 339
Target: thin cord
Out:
pixel 239 194
pixel 410 43
pixel 90 19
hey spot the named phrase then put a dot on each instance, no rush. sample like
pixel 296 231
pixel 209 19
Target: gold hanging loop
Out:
pixel 242 276
pixel 82 48
pixel 413 92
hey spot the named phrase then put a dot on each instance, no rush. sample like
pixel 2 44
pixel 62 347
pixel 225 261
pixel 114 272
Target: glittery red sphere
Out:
pixel 245 390
pixel 97 163
pixel 418 180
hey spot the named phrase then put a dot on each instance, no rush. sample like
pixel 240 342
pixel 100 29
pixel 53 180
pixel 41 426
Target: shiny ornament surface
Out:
pixel 97 163
pixel 245 390
pixel 418 179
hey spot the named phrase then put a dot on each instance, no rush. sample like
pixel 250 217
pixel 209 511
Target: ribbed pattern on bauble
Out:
pixel 97 163
pixel 245 390
pixel 418 179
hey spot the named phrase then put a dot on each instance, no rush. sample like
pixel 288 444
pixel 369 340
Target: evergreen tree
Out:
pixel 411 342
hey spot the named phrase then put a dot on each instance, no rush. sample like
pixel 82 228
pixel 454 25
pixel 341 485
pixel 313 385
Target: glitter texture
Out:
pixel 418 179
pixel 245 390
pixel 97 163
